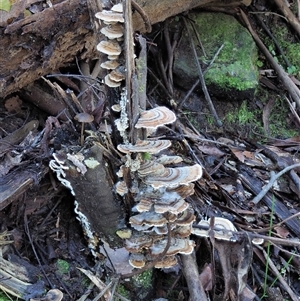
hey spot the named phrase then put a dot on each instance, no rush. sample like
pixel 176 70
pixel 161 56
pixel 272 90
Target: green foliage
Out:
pixel 242 115
pixel 5 5
pixel 144 279
pixel 6 297
pixel 62 266
pixel 290 47
pixel 123 292
pixel 146 156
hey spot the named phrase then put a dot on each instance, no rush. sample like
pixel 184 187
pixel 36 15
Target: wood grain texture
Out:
pixel 48 40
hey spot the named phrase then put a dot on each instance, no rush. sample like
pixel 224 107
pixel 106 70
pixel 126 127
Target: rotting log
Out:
pixel 48 40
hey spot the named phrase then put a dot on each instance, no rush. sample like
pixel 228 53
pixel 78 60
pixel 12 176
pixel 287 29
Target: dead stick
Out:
pixel 191 273
pixel 289 15
pixel 200 73
pixel 290 86
pixel 280 278
pixel 273 178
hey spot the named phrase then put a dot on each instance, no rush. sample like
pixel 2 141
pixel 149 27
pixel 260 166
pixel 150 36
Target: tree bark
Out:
pixel 48 40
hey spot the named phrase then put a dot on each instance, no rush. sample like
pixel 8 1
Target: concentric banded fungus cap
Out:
pixel 109 47
pixel 173 177
pixel 166 262
pixel 110 82
pixel 144 205
pixel 110 16
pixel 118 8
pixel 156 117
pixel 182 231
pixel 174 206
pixel 137 243
pixel 150 167
pixel 145 146
pixel 177 245
pixel 184 190
pixel 121 188
pixel 113 31
pixel 137 260
pixel 116 76
pixel 113 57
pixel 223 229
pixel 186 217
pixel 110 65
pixel 165 159
pixel 148 218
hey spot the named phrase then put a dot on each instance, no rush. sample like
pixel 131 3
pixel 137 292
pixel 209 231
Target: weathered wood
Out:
pixel 42 43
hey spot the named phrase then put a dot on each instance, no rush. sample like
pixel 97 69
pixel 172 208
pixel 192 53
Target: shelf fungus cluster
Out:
pixel 161 220
pixel 113 31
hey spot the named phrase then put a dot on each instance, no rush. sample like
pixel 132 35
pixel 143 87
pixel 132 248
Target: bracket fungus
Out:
pixel 149 219
pixel 173 177
pixel 167 160
pixel 121 188
pixel 177 246
pixel 110 65
pixel 114 31
pixel 154 118
pixel 116 76
pixel 166 262
pixel 223 229
pixel 111 17
pixel 150 167
pixel 137 260
pixel 145 146
pixel 118 8
pixel 109 47
pixel 111 83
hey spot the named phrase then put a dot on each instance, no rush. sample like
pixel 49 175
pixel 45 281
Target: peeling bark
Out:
pixel 48 40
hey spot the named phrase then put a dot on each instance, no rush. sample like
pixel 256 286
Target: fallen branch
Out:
pixel 190 270
pixel 201 77
pixel 272 180
pixel 288 83
pixel 289 15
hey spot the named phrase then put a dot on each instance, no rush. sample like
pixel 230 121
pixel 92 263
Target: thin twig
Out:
pixel 272 180
pixel 278 275
pixel 266 29
pixel 204 88
pixel 191 273
pixel 143 15
pixel 27 231
pixel 289 84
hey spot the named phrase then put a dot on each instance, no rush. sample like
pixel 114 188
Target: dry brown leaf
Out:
pixel 249 155
pixel 211 150
pixel 239 154
pixel 282 232
pixel 266 115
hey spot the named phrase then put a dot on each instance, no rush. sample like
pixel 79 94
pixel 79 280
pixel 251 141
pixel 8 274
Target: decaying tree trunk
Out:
pixel 45 41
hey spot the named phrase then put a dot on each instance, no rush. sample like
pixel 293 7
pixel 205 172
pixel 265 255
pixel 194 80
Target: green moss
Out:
pixel 144 279
pixel 6 297
pixel 289 46
pixel 244 115
pixel 236 65
pixel 241 115
pixel 278 120
pixel 123 292
pixel 62 266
